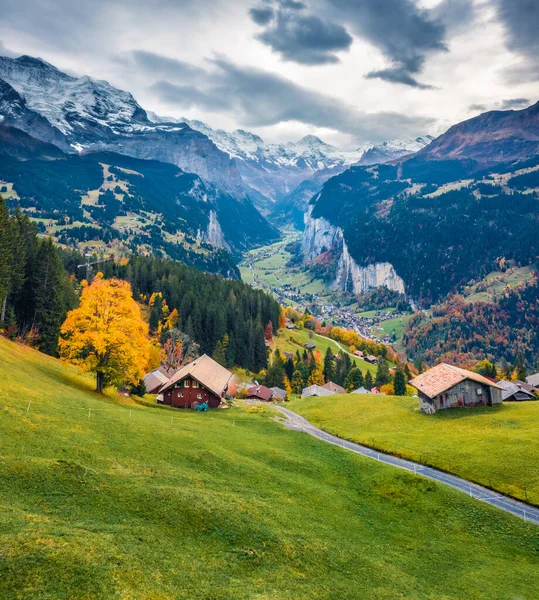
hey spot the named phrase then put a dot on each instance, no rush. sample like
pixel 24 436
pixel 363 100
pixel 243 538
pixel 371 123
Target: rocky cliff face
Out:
pixel 214 234
pixel 359 280
pixel 320 236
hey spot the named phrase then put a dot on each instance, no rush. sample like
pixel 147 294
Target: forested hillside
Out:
pixel 464 332
pixel 39 283
pixel 209 307
pixel 437 235
pixel 35 289
pixel 137 205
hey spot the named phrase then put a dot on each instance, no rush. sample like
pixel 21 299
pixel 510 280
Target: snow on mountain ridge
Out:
pixel 68 102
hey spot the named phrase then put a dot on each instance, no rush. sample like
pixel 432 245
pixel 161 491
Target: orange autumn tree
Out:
pixel 107 335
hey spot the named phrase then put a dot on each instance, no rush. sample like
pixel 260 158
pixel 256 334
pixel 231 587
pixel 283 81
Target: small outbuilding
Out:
pixel 370 358
pixel 278 393
pixel 445 386
pixel 259 392
pixel 155 380
pixel 203 380
pixel 315 390
pixel 513 391
pixel 361 390
pixel 533 381
pixel 334 388
pixel 309 345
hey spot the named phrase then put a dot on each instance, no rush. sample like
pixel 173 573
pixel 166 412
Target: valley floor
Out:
pixel 105 498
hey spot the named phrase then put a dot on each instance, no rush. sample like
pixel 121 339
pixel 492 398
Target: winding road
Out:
pixel 524 511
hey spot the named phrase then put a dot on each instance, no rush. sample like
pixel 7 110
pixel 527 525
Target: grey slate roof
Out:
pixel 316 390
pixel 533 380
pixel 513 391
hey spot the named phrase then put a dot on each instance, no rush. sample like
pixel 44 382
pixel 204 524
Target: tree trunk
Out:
pixel 100 380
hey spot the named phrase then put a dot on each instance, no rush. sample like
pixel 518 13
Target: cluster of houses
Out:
pixel 204 382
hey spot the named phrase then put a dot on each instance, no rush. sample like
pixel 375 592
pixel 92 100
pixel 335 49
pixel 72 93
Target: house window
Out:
pixel 199 396
pixel 181 394
pixel 186 383
pixel 195 383
pixel 479 391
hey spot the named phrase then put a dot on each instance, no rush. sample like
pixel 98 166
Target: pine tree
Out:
pixel 50 297
pixel 399 384
pixel 382 373
pixel 275 376
pixel 221 348
pixel 520 368
pixel 289 368
pixel 407 373
pixel 6 241
pixel 329 365
pixel 354 380
pixel 297 382
pixel 368 381
pixel 231 351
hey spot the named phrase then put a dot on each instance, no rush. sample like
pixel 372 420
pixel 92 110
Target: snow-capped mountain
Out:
pixel 276 170
pixel 83 114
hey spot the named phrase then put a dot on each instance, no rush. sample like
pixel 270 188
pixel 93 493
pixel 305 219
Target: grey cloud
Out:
pixel 477 107
pixel 456 15
pixel 262 15
pixel 400 29
pixel 163 66
pixel 398 75
pixel 300 36
pixel 515 103
pixel 258 98
pixel 521 20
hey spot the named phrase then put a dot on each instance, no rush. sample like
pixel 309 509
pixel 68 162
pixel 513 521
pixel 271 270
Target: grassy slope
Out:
pixel 223 505
pixel 301 337
pixel 497 447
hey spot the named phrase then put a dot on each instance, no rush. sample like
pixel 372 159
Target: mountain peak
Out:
pixel 311 140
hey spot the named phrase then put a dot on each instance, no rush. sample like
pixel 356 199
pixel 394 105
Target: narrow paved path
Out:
pixel 524 511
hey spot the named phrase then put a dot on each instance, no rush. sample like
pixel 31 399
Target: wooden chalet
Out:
pixel 445 386
pixel 516 391
pixel 309 345
pixel 202 380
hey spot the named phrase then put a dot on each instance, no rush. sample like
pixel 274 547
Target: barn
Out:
pixel 202 380
pixel 446 386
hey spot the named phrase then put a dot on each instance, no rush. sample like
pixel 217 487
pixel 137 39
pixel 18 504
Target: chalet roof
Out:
pixel 278 392
pixel 533 380
pixel 361 390
pixel 510 389
pixel 206 371
pixel 316 390
pixel 310 345
pixel 443 377
pixel 154 380
pixel 335 388
pixel 260 391
pixel 288 355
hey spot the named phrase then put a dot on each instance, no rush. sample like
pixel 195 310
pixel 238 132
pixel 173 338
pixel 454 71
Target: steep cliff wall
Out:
pixel 320 235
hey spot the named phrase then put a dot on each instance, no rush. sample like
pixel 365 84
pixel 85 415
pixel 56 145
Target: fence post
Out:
pixel 28 407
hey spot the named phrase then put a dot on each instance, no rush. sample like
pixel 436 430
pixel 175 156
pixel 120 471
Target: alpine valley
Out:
pixel 446 226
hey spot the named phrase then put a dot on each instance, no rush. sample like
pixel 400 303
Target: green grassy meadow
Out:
pixel 290 340
pixel 495 446
pixel 105 498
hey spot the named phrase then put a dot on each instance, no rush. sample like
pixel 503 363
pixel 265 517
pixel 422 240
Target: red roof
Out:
pixel 442 377
pixel 261 392
pixel 337 389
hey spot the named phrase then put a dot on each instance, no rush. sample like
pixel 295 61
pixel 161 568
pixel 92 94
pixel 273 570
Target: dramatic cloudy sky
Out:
pixel 345 70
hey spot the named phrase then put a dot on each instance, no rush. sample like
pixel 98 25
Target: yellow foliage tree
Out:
pixel 316 378
pixel 106 335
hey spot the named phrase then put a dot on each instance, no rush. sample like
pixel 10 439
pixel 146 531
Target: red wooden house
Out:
pixel 202 380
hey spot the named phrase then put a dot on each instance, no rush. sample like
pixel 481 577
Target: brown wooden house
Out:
pixel 446 386
pixel 202 380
